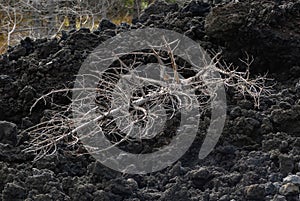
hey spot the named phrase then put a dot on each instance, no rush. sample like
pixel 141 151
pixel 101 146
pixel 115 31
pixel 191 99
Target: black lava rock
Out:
pixel 8 133
pixel 255 192
pixel 196 8
pixel 256 158
pixel 106 24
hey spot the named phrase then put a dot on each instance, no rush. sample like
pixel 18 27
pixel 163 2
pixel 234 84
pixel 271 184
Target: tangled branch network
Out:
pixel 130 105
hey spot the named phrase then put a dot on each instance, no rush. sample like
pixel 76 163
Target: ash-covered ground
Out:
pixel 257 157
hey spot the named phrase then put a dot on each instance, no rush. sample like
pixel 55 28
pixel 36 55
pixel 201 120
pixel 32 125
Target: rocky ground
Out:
pixel 257 157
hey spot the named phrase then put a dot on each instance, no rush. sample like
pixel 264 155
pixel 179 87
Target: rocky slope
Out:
pixel 257 157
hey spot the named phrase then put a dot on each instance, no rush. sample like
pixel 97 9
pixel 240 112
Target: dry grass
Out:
pixel 3 43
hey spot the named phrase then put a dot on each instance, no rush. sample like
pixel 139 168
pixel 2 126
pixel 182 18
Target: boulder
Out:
pixel 264 29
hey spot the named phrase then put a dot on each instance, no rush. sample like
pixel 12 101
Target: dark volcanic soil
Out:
pixel 257 157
